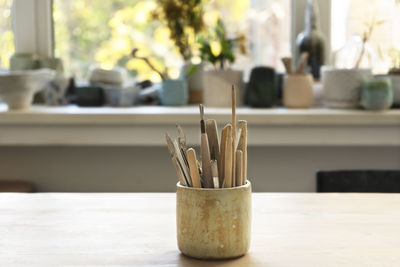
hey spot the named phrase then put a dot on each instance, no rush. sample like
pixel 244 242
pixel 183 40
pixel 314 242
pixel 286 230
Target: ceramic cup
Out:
pixel 298 91
pixel 213 223
pixel 377 94
pixel 174 93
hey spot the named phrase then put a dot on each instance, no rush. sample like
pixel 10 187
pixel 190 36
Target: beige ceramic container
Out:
pixel 213 223
pixel 298 91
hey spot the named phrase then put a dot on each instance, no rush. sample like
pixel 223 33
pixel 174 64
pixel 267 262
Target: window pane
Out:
pixel 6 34
pixel 349 18
pixel 103 33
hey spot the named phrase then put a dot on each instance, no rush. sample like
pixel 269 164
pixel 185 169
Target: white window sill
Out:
pixel 146 126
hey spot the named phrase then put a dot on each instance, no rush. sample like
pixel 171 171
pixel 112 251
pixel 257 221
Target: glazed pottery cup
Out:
pixel 377 94
pixel 298 91
pixel 213 223
pixel 174 93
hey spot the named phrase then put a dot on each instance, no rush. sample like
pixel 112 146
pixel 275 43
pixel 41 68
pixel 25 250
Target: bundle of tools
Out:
pixel 223 161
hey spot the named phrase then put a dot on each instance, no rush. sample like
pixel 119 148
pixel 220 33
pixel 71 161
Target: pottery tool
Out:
pixel 233 135
pixel 194 171
pixel 303 63
pixel 239 167
pixel 205 152
pixel 182 144
pixel 287 63
pixel 182 163
pixel 214 173
pixel 228 158
pixel 221 163
pixel 212 135
pixel 178 170
pixel 243 146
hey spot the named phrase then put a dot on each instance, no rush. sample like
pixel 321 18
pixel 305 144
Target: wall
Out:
pixel 136 169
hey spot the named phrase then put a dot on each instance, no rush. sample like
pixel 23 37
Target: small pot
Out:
pixel 213 223
pixel 173 92
pixel 218 84
pixel 395 78
pixel 342 87
pixel 194 74
pixel 298 91
pixel 377 94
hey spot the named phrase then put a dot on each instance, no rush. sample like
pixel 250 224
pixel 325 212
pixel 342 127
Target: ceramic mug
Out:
pixel 174 92
pixel 213 223
pixel 298 91
pixel 377 94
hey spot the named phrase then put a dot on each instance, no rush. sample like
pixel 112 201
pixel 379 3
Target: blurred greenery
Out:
pixel 103 33
pixel 6 34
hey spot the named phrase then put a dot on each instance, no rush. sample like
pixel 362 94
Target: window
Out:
pixel 349 18
pixel 103 33
pixel 6 34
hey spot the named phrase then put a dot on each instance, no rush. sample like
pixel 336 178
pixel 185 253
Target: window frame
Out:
pixel 33 25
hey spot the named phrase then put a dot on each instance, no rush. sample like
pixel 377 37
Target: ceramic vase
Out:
pixel 218 87
pixel 174 93
pixel 213 223
pixel 262 88
pixel 377 94
pixel 395 79
pixel 342 87
pixel 298 91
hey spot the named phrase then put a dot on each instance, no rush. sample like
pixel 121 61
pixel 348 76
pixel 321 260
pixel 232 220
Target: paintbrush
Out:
pixel 205 152
pixel 178 169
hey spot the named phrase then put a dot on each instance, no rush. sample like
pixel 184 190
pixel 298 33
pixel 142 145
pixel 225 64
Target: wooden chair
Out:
pixel 17 187
pixel 361 181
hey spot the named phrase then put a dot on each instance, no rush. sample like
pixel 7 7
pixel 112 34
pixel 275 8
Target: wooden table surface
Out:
pixel 139 230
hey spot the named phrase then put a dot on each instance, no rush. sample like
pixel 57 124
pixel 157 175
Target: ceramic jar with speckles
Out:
pixel 213 223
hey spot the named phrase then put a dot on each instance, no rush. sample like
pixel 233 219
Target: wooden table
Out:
pixel 139 230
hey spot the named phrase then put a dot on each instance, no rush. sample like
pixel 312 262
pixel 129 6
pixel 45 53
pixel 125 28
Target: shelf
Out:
pixel 146 126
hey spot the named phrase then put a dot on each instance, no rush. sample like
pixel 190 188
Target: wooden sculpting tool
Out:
pixel 182 163
pixel 214 173
pixel 205 152
pixel 239 170
pixel 243 146
pixel 303 63
pixel 287 63
pixel 212 135
pixel 233 135
pixel 221 163
pixel 194 171
pixel 228 158
pixel 178 170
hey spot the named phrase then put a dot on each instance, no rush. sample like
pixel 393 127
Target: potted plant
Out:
pixel 184 19
pixel 342 83
pixel 218 49
pixel 173 92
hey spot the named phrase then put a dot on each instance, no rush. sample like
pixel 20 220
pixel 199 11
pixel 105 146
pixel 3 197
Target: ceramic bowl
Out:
pixel 17 88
